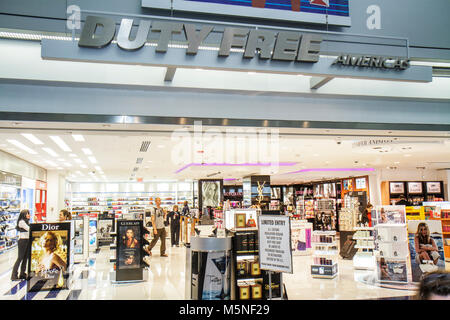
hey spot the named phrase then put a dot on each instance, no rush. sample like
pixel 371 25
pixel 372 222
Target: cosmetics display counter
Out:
pixel 325 255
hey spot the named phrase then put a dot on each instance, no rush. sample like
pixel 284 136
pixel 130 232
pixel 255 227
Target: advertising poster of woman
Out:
pixel 50 247
pixel 210 193
pixel 426 247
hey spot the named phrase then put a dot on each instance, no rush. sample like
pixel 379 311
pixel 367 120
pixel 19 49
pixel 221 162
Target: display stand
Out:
pixel 364 259
pixel 391 245
pixel 325 255
pixel 51 256
pixel 248 278
pixel 129 253
pixel 105 226
pixel 301 234
pixel 9 212
pixel 81 239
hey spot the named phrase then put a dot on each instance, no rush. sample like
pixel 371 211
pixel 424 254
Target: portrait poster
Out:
pixel 129 246
pixel 426 237
pixel 210 193
pixel 104 228
pixel 388 215
pixel 49 256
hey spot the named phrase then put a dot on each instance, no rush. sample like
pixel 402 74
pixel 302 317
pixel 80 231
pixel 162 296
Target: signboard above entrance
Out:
pixel 334 12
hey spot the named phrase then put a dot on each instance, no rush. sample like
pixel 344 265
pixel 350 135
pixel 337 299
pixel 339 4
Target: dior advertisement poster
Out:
pixel 49 256
pixel 426 247
pixel 129 244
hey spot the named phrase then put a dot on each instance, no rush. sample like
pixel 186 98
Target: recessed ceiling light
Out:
pixel 83 166
pixel 92 159
pixel 67 164
pixel 78 137
pixel 78 160
pixel 21 146
pixel 73 155
pixel 61 159
pixel 86 151
pixel 60 143
pixel 50 152
pixel 32 138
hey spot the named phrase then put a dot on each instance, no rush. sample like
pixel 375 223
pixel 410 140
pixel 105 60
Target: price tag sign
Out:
pixel 275 252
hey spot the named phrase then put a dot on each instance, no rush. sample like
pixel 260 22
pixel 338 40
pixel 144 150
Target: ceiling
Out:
pixel 173 151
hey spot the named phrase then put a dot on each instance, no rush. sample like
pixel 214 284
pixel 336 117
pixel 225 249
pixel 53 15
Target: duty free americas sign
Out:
pixel 241 49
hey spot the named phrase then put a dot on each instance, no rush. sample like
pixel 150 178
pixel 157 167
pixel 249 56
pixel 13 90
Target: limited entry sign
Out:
pixel 275 252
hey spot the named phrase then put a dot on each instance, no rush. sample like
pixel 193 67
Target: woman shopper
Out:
pixel 174 218
pixel 23 226
pixel 185 210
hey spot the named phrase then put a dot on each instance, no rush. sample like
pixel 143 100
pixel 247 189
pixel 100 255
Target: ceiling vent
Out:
pixel 139 160
pixel 144 146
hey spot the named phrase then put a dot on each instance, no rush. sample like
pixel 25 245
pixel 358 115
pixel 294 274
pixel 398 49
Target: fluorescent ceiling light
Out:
pixel 51 163
pixel 61 159
pixel 32 138
pixel 92 159
pixel 83 166
pixel 78 160
pixel 67 164
pixel 80 173
pixel 21 146
pixel 87 151
pixel 60 143
pixel 98 168
pixel 50 152
pixel 78 137
pixel 73 155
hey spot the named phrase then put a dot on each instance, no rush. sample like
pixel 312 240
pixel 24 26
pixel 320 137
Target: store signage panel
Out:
pixel 360 183
pixel 334 12
pixel 275 252
pixel 397 187
pixel 433 187
pixel 415 187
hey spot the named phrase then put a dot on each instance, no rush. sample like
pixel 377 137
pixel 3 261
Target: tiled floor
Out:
pixel 166 281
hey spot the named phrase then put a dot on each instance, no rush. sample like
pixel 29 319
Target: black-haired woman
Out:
pixel 23 226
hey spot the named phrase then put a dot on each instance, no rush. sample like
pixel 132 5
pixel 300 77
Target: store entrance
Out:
pixel 326 181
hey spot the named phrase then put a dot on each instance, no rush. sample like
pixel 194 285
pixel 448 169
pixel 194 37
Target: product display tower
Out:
pixel 364 257
pixel 325 255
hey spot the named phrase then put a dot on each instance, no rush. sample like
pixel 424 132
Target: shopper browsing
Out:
pixel 159 231
pixel 64 215
pixel 185 211
pixel 23 226
pixel 174 218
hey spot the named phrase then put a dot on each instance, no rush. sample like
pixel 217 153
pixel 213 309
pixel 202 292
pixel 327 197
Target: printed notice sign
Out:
pixel 275 252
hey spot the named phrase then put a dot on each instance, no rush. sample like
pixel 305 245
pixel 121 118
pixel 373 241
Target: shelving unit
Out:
pixel 248 277
pixel 364 259
pixel 9 212
pixel 325 255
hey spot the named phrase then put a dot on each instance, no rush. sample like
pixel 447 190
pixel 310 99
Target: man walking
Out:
pixel 159 231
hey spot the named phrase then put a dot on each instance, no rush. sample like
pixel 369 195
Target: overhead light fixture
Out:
pixel 73 155
pixel 51 163
pixel 21 146
pixel 161 146
pixel 61 159
pixel 60 143
pixel 78 137
pixel 32 138
pixel 78 160
pixel 86 151
pixel 50 152
pixel 92 159
pixel 67 164
pixel 98 168
pixel 83 166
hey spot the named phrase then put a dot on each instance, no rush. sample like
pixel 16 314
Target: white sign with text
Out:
pixel 275 252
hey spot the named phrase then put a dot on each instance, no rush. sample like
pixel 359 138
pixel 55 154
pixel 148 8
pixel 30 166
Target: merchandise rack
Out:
pixel 10 204
pixel 364 259
pixel 325 255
